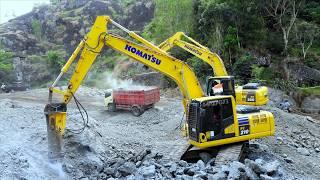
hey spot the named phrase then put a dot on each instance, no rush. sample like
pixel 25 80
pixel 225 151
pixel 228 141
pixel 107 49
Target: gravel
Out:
pixel 303 151
pixel 121 146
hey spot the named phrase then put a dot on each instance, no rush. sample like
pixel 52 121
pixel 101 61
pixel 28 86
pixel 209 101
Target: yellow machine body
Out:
pixel 159 60
pixel 256 97
pixel 252 97
pixel 242 127
pixel 57 121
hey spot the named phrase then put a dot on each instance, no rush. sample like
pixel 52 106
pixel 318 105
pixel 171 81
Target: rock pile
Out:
pixel 147 165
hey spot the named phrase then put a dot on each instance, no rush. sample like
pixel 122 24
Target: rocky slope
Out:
pixel 60 27
pixel 66 23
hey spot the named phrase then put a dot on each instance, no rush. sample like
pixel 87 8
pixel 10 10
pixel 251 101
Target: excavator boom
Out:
pixel 250 94
pixel 146 53
pixel 89 48
pixel 196 49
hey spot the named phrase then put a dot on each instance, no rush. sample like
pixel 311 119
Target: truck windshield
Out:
pixel 107 94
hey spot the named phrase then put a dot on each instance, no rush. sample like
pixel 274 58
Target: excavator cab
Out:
pixel 225 82
pixel 250 94
pixel 213 121
pixel 207 119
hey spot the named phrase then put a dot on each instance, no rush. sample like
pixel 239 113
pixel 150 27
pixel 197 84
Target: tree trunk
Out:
pixel 284 65
pixel 285 41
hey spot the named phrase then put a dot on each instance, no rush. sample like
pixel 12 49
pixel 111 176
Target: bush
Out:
pixel 242 68
pixel 312 61
pixel 262 73
pixel 200 68
pixel 55 61
pixel 310 91
pixel 284 85
pixel 170 17
pixel 36 29
pixel 107 62
pixel 6 68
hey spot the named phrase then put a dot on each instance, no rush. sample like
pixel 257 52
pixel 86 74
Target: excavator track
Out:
pixel 177 151
pixel 223 155
pixel 230 153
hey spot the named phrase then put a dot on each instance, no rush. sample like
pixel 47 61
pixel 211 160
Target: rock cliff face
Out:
pixel 304 74
pixel 62 26
pixel 66 23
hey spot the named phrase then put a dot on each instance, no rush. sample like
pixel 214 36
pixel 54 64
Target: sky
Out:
pixel 10 9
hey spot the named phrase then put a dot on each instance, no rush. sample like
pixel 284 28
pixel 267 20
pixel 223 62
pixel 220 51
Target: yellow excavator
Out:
pixel 250 94
pixel 211 120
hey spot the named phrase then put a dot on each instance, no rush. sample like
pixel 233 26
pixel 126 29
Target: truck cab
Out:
pixel 108 100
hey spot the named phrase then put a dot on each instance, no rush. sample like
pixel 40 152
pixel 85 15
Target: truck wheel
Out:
pixel 111 107
pixel 136 111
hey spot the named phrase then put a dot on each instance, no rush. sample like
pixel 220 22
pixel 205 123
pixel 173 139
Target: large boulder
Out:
pixel 303 74
pixel 311 104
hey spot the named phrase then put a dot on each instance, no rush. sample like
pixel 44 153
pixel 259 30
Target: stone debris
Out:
pixel 303 151
pixel 107 150
pixel 158 168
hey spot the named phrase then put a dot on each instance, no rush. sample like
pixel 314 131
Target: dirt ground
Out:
pixel 109 136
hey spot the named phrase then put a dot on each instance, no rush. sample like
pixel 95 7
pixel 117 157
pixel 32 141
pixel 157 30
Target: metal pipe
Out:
pixel 119 26
pixel 56 81
pixel 66 67
pixel 137 37
pixel 195 42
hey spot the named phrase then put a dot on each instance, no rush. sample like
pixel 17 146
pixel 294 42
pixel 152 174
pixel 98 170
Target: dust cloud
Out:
pixel 57 169
pixel 109 81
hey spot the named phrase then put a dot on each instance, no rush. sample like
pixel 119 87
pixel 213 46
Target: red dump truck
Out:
pixel 135 99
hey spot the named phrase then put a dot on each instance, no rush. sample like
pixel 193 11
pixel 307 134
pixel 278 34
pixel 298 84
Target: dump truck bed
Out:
pixel 139 97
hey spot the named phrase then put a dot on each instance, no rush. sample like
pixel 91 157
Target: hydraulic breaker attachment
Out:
pixel 56 122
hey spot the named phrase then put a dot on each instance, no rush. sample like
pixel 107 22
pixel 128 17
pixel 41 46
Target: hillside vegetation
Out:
pixel 275 42
pixel 258 40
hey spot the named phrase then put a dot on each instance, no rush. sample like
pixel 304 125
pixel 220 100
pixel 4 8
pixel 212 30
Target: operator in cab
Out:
pixel 217 88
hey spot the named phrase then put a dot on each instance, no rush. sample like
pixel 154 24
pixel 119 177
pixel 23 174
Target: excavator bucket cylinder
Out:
pixel 56 122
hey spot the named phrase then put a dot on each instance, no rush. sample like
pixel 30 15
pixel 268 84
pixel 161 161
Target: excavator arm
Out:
pixel 196 49
pixel 88 50
pixel 147 54
pixel 250 94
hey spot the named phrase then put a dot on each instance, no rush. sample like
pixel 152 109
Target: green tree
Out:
pixel 169 18
pixel 284 13
pixel 213 17
pixel 36 29
pixel 55 61
pixel 311 11
pixel 242 68
pixel 305 34
pixel 201 69
pixel 230 25
pixel 6 68
pixel 230 42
